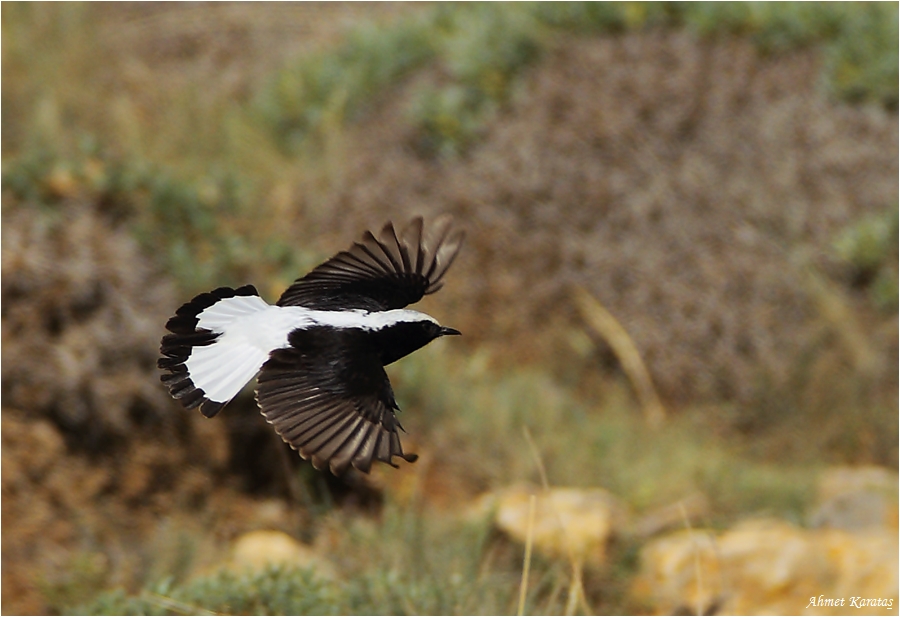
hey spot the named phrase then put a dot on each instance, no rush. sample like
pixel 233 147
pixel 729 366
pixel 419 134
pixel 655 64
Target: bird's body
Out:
pixel 320 351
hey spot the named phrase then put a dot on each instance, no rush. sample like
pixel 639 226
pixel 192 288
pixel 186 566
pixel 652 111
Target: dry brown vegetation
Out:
pixel 696 192
pixel 689 192
pixel 80 322
pixel 93 453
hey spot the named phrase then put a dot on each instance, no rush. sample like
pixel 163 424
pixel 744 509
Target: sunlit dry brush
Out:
pixel 686 182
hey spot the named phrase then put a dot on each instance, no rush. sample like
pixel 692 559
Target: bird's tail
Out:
pixel 209 356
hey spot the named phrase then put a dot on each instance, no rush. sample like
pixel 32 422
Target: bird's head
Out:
pixel 404 337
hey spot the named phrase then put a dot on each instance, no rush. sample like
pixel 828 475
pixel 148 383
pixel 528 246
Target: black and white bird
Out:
pixel 320 351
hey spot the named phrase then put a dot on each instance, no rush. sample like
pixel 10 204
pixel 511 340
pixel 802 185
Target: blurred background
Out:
pixel 679 300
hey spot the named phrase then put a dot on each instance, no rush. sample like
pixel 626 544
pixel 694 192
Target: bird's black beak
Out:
pixel 445 331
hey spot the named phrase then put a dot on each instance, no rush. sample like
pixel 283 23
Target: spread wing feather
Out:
pixel 381 273
pixel 332 404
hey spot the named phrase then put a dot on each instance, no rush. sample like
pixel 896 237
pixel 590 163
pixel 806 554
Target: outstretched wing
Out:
pixel 328 396
pixel 383 273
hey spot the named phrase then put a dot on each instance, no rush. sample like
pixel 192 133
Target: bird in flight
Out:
pixel 320 351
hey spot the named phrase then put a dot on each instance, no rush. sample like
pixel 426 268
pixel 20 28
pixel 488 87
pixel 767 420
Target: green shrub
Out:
pixel 869 249
pixel 319 92
pixel 585 16
pixel 197 228
pixel 274 591
pixel 861 62
pixel 482 48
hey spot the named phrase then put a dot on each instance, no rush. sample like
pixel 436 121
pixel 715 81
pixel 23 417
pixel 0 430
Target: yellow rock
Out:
pixel 257 550
pixel 857 498
pixel 569 523
pixel 769 567
pixel 679 573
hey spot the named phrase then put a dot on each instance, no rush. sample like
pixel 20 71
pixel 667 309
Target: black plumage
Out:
pixel 380 274
pixel 321 350
pixel 329 397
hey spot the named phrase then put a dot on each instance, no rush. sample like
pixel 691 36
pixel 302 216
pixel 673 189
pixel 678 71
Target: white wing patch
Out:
pixel 222 370
pixel 224 312
pixel 249 330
